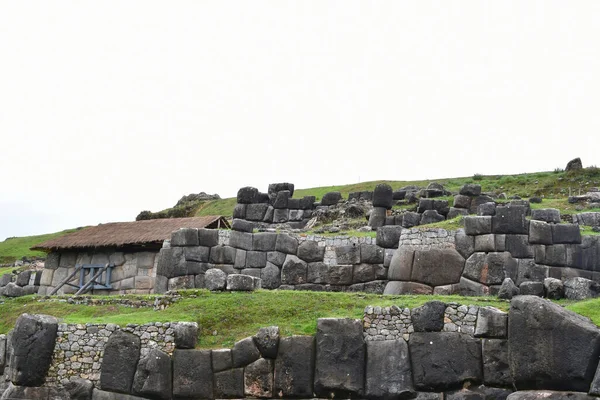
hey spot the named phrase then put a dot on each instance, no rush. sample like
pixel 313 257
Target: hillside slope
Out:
pixel 17 247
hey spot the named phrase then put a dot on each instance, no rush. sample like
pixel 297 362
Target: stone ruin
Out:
pixel 538 350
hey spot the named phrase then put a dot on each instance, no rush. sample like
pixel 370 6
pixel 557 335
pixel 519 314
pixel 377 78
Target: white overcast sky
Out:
pixel 108 108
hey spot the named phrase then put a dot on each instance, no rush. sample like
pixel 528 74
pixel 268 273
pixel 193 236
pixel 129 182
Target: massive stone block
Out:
pixel 444 360
pixel 496 371
pixel 340 357
pixel 264 241
pixel 121 356
pixel 550 347
pixel 547 215
pixel 184 237
pixel 267 341
pixel 270 276
pixel 490 268
pixel 310 251
pixel 401 264
pixel 347 255
pixel 294 367
pixel 566 233
pixel 294 271
pixel 192 374
pixel 378 217
pixel 437 267
pixel 244 352
pixel 548 395
pixel 247 195
pixel 256 212
pixel 239 240
pixel 286 244
pixel 153 376
pixel 475 225
pixel 491 323
pixel 389 236
pixel 170 261
pixel 258 378
pixel 510 219
pixel 388 374
pixel 518 246
pixel 331 198
pixel 397 287
pixel 429 317
pixel 31 343
pixel 383 196
pixel 465 244
pixel 185 335
pixel 229 384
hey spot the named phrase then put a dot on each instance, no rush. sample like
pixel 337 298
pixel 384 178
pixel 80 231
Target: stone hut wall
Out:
pixel 134 272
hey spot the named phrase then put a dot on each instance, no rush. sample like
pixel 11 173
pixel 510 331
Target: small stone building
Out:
pixel 130 247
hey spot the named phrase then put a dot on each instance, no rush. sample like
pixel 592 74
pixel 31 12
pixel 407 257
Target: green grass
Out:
pixel 587 230
pixel 227 317
pixel 589 308
pixel 6 270
pixel 449 224
pixel 14 248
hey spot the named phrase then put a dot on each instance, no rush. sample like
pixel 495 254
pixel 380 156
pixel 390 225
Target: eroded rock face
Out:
pixel 550 347
pixel 294 367
pixel 32 344
pixel 121 356
pixel 340 357
pixel 388 370
pixel 153 375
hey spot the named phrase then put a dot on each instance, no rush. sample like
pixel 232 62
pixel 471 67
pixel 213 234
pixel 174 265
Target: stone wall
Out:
pixel 134 272
pixel 282 261
pixel 452 351
pixel 20 284
pixel 501 243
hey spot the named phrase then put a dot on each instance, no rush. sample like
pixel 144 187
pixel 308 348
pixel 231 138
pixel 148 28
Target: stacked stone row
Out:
pixel 133 272
pixel 506 245
pixel 195 259
pixel 275 207
pixel 21 284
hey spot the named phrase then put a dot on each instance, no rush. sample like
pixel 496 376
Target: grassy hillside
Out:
pixel 14 248
pixel 227 317
pixel 554 186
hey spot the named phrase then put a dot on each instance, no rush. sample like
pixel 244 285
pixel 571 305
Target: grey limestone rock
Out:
pixel 508 290
pixel 184 237
pixel 579 288
pixel 388 370
pixel 554 288
pixel 491 323
pixel 79 389
pixel 185 334
pixel 215 279
pixel 377 217
pixel 429 317
pixel 310 251
pixel 267 341
pixel 229 384
pixel 531 288
pixel 294 367
pixel 546 215
pixel 241 225
pixel 244 352
pixel 258 379
pixel 478 225
pixel 153 376
pixel 247 195
pixel 192 374
pixel 470 189
pixel 331 198
pixel 389 236
pixel 286 244
pixel 383 196
pixel 221 359
pixel 270 276
pixel 121 356
pixel 294 271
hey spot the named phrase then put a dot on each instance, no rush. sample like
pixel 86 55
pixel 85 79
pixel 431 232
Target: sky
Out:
pixel 110 108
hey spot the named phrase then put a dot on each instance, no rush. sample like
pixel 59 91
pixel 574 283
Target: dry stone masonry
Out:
pixel 436 350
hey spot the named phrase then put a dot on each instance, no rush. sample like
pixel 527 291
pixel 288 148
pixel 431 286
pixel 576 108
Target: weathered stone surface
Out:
pixel 528 270
pixel 256 259
pixel 229 384
pixel 436 267
pixel 2 353
pixel 547 215
pixel 170 261
pixel 184 237
pixel 307 202
pixel 491 268
pixel 267 341
pixel 454 212
pixel 318 272
pixel 153 376
pixel 340 357
pixel 465 244
pixel 12 290
pixel 476 225
pixel 221 359
pixel 270 276
pixel 531 288
pixel 14 392
pixel 424 205
pixel 264 241
pixel 486 209
pixel 215 279
pixel 23 278
pixel 281 199
pixel 31 343
pixel 566 234
pixel 468 287
pixel 340 274
pixel 540 232
pixel 268 218
pixel 241 225
pixel 444 360
pixel 581 288
pixel 192 374
pixel 121 356
pixel 510 219
pixel 364 273
pixel 470 189
pixel 79 389
pixel 276 257
pixel 383 196
pixel 411 219
pixel 258 378
pixel 52 260
pixel 239 211
pixel 539 331
pixel 347 255
pixel 462 201
pixel 331 198
pixel 286 244
pixel 508 290
pixel 485 243
pixel 518 246
pixel 430 217
pixel 491 323
pixel 241 282
pixel 294 271
pixel 310 251
pixel 548 395
pixel 294 367
pixel 429 317
pixel 496 370
pixel 397 287
pixel 224 254
pixel 554 288
pixel 239 240
pixel 388 370
pixel 244 352
pixel 388 236
pixel 401 264
pixel 377 217
pixel 247 195
pixel 256 212
pixel 185 334
pixel 197 253
pixel 7 278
